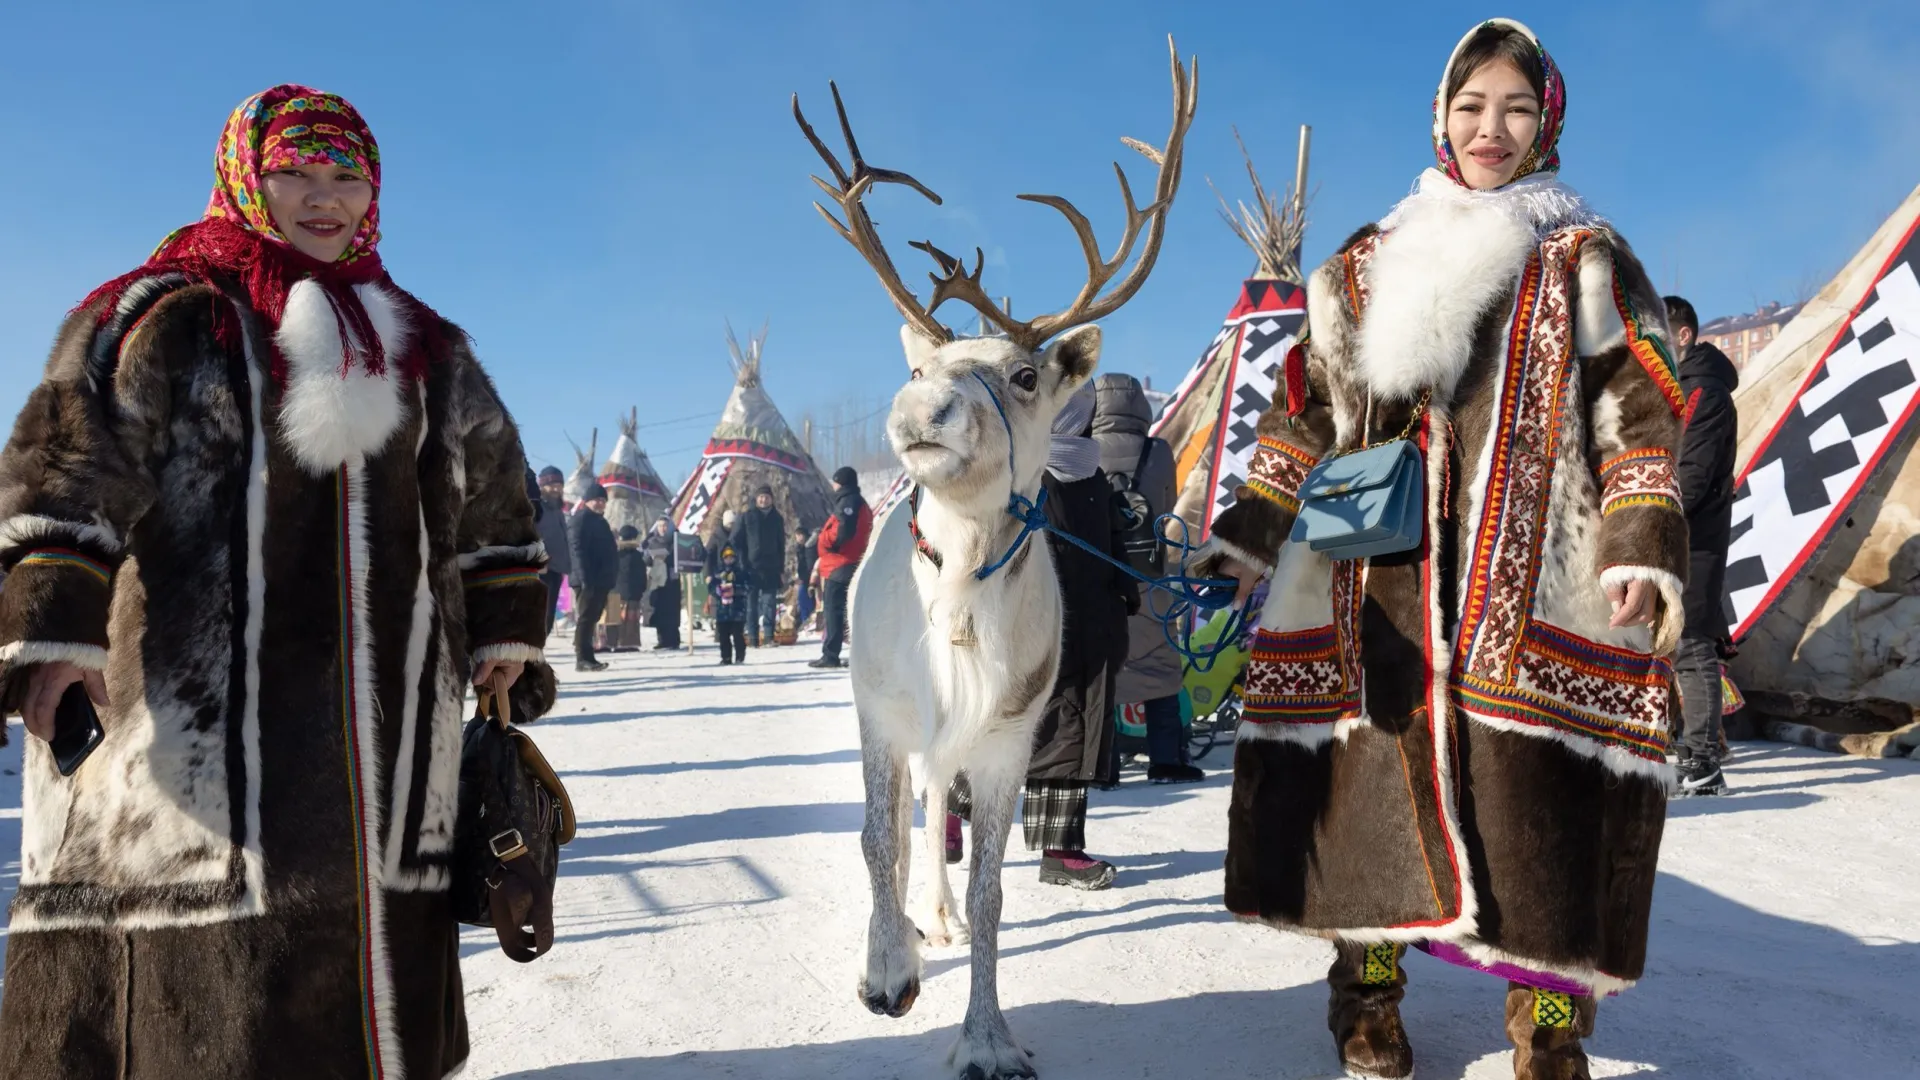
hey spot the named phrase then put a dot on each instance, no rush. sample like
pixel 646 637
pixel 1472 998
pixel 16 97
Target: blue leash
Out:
pixel 1191 595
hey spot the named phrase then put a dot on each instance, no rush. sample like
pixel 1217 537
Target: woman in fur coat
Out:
pixel 1462 747
pixel 267 509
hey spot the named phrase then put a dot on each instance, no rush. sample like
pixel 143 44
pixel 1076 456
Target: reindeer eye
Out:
pixel 1026 379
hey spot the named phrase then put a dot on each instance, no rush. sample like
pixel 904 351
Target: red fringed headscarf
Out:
pixel 239 241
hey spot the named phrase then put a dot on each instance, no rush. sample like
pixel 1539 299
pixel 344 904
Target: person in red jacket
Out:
pixel 843 542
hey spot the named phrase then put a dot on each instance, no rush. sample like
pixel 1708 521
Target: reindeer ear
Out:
pixel 920 348
pixel 1073 356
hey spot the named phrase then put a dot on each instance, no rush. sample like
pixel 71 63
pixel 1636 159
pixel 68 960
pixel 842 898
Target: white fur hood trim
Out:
pixel 328 419
pixel 1448 254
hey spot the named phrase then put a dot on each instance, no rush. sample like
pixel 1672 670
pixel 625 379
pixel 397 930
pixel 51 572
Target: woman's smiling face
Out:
pixel 318 207
pixel 1492 122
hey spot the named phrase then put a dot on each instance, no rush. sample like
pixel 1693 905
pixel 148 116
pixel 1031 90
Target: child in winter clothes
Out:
pixel 728 586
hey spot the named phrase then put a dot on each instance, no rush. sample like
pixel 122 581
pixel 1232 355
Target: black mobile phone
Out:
pixel 76 729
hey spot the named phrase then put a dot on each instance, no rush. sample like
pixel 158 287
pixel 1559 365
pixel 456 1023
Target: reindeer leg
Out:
pixel 892 978
pixel 986 1050
pixel 936 916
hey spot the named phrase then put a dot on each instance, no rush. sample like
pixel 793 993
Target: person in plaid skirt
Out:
pixel 1070 745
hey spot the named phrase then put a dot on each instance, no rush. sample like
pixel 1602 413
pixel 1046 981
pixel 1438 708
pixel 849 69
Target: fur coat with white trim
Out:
pixel 1452 744
pixel 286 587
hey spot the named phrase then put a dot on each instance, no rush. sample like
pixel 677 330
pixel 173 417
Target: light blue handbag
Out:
pixel 1367 503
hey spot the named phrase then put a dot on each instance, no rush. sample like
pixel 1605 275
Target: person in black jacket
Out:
pixel 552 520
pixel 631 586
pixel 760 538
pixel 596 571
pixel 1071 743
pixel 1705 468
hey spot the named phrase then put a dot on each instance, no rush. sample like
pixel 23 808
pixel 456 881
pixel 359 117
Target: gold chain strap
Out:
pixel 1419 411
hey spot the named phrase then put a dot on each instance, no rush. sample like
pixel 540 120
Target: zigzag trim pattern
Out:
pixel 1650 351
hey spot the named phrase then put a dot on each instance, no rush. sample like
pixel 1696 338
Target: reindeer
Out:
pixel 948 663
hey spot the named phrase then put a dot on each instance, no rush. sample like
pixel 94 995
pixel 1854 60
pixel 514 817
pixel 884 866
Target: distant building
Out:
pixel 1742 337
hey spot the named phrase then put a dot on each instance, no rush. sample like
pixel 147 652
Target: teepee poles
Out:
pixel 1300 173
pixel 1272 227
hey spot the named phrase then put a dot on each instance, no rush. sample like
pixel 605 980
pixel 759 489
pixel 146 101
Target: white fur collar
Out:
pixel 1449 252
pixel 328 419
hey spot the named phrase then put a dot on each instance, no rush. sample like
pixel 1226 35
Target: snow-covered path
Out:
pixel 713 909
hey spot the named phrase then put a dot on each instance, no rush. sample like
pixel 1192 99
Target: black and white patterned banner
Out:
pixel 1851 411
pixel 693 513
pixel 1264 338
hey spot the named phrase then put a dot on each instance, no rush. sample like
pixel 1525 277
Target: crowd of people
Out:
pixel 295 645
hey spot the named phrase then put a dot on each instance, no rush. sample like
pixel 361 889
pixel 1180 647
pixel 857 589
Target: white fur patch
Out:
pixel 34 530
pixel 398 877
pixel 1434 275
pixel 1216 546
pixel 90 657
pixel 1449 253
pixel 329 418
pixel 509 651
pixel 505 555
pixel 366 735
pixel 1597 325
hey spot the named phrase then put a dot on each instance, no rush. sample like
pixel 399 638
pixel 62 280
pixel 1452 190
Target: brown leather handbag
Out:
pixel 514 817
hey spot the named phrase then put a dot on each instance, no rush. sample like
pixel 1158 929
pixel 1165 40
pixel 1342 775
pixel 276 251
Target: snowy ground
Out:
pixel 713 909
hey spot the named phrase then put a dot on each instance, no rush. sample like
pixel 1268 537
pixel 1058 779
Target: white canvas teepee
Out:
pixel 636 495
pixel 1211 418
pixel 1823 570
pixel 752 447
pixel 582 474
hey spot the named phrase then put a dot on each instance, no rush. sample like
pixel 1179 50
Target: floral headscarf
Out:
pixel 285 127
pixel 237 242
pixel 1544 155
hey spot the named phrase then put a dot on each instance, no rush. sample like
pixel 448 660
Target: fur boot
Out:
pixel 1546 1029
pixel 1363 1011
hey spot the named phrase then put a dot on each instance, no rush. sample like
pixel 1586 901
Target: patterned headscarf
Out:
pixel 236 241
pixel 1544 155
pixel 285 127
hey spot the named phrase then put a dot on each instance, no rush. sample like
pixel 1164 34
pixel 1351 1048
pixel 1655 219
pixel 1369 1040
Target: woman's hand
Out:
pixel 509 670
pixel 47 684
pixel 1247 576
pixel 1633 604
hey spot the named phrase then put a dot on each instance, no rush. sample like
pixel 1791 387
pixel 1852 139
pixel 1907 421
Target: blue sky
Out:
pixel 590 188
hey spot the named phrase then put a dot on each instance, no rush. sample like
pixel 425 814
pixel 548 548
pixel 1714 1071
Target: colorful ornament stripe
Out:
pixel 1650 351
pixel 1639 478
pixel 1382 965
pixel 369 1024
pixel 495 578
pixel 1277 471
pixel 1552 1010
pixel 53 557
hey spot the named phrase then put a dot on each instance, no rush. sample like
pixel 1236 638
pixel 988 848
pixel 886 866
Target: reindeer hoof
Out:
pixel 940 929
pixel 896 1004
pixel 990 1055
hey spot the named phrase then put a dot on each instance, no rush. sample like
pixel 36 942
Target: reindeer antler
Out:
pixel 847 191
pixel 955 282
pixel 1090 305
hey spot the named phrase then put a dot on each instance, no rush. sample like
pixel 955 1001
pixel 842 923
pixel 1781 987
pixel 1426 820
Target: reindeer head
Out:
pixel 946 423
pixel 976 407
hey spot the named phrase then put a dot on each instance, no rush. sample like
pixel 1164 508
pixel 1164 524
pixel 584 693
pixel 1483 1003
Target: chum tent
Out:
pixel 1211 417
pixel 752 447
pixel 1823 566
pixel 636 495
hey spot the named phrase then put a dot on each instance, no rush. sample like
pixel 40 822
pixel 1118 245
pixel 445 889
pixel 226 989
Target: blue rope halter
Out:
pixel 1191 596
